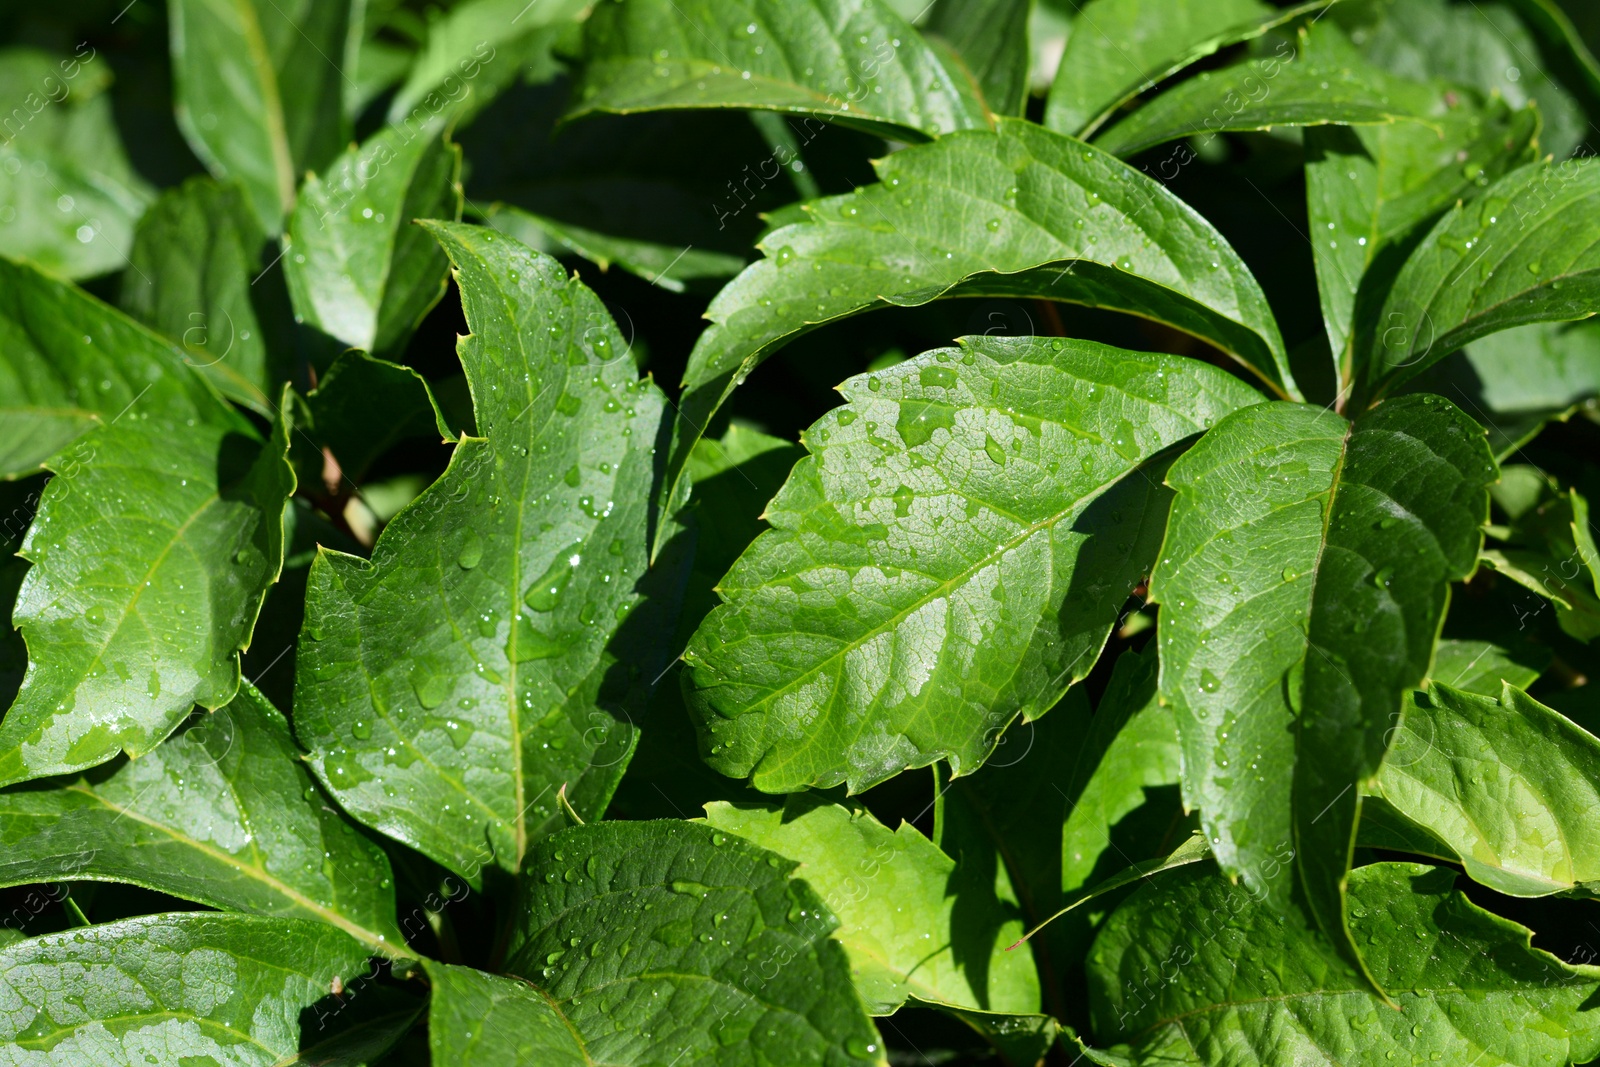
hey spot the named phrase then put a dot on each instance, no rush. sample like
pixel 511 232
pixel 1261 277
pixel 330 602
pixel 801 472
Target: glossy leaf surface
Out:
pixel 450 686
pixel 952 555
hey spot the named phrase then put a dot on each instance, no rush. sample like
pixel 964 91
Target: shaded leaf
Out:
pixel 944 942
pixel 263 841
pixel 805 57
pixel 1526 825
pixel 363 406
pixel 448 688
pixel 1550 549
pixel 357 268
pixel 191 277
pixel 675 940
pixel 1260 989
pixel 259 90
pixel 1302 585
pixel 1318 84
pixel 1193 850
pixel 1120 48
pixel 985 214
pixel 228 988
pixel 1021 1040
pixel 477 1018
pixel 991 37
pixel 1520 253
pixel 671 267
pixel 953 554
pixel 68 196
pixel 1482 667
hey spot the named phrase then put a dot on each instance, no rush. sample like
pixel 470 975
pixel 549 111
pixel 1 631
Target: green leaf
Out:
pixel 1022 1040
pixel 1526 826
pixel 1517 380
pixel 68 196
pixel 451 686
pixel 1320 84
pixel 672 268
pixel 152 549
pixel 362 407
pixel 220 988
pixel 1193 850
pixel 55 386
pixel 657 940
pixel 1302 585
pixel 1561 49
pixel 916 236
pixel 264 841
pixel 1520 253
pixel 191 275
pixel 1120 48
pixel 1256 987
pixel 259 90
pixel 477 48
pixel 357 269
pixel 1370 190
pixel 1482 667
pixel 478 1019
pixel 804 57
pixel 991 37
pixel 1550 550
pixel 1577 607
pixel 945 940
pixel 953 554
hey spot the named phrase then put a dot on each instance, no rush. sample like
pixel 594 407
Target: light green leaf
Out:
pixel 1510 786
pixel 943 941
pixel 191 275
pixel 169 988
pixel 1517 380
pixel 68 196
pixel 1482 667
pixel 1256 987
pixel 357 269
pixel 673 268
pixel 448 688
pixel 362 407
pixel 475 50
pixel 991 37
pixel 805 57
pixel 1520 253
pixel 1302 584
pixel 1019 212
pixel 259 90
pixel 1370 190
pixel 478 1019
pixel 1120 48
pixel 55 386
pixel 152 549
pixel 264 840
pixel 663 941
pixel 1322 82
pixel 953 554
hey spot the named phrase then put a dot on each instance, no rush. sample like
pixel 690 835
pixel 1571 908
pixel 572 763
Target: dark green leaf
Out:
pixel 858 63
pixel 357 268
pixel 1369 190
pixel 945 941
pixel 1120 48
pixel 1527 825
pixel 1550 550
pixel 668 266
pixel 952 555
pixel 191 275
pixel 478 1019
pixel 260 89
pixel 1246 986
pixel 1019 212
pixel 1520 253
pixel 1302 584
pixel 991 37
pixel 68 197
pixel 448 688
pixel 657 941
pixel 1321 83
pixel 1021 1040
pixel 263 839
pixel 362 406
pixel 187 988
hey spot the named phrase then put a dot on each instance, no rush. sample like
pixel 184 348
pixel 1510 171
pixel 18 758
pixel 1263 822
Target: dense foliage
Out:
pixel 1179 650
